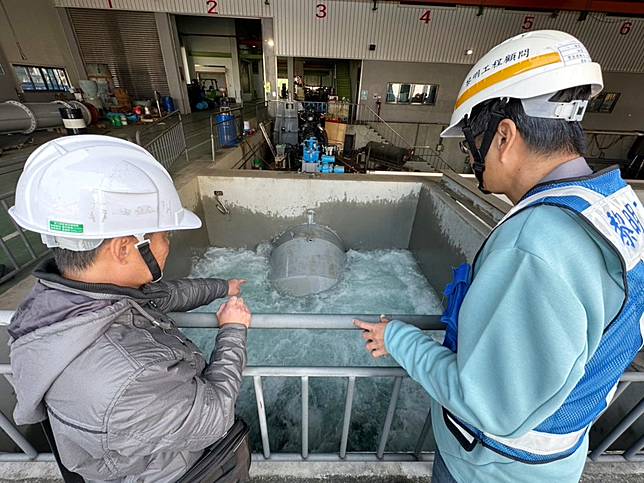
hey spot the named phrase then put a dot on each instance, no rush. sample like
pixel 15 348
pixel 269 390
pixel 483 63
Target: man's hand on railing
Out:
pixel 374 334
pixel 235 311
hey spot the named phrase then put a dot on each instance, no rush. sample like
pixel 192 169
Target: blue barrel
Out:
pixel 227 131
pixel 168 104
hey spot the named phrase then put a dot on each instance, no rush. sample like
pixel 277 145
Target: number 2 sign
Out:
pixel 212 7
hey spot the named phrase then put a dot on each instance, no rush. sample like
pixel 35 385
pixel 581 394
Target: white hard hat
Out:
pixel 531 67
pixel 77 191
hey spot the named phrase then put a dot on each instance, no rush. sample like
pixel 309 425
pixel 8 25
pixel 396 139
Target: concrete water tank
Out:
pixel 307 259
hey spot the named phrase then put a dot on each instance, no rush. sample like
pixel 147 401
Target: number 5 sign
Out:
pixel 528 22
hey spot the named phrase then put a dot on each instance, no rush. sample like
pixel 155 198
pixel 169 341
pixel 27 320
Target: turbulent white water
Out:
pixel 375 282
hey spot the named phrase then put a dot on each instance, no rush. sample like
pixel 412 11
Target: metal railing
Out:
pixel 340 322
pixel 18 254
pixel 610 147
pixel 168 140
pixel 430 156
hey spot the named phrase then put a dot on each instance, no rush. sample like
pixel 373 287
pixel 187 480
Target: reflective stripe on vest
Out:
pixel 613 210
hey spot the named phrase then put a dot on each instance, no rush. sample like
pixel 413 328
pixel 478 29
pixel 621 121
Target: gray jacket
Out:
pixel 129 397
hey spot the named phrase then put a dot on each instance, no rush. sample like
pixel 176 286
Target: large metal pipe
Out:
pixel 25 118
pixel 15 117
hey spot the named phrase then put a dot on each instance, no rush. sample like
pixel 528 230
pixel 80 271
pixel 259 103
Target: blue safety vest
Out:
pixel 612 209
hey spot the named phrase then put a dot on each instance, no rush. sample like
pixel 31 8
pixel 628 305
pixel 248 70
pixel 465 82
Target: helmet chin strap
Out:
pixel 479 154
pixel 143 246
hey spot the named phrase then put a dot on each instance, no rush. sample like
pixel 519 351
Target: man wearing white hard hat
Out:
pixel 543 324
pixel 93 352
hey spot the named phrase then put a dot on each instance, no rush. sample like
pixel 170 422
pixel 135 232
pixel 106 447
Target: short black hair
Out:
pixel 543 136
pixel 70 261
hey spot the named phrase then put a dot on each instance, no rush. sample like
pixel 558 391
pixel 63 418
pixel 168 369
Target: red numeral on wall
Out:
pixel 321 10
pixel 426 17
pixel 528 22
pixel 626 28
pixel 212 7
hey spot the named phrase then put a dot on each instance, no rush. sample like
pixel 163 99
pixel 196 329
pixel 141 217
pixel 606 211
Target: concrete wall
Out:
pixel 376 75
pixel 628 114
pixel 7 79
pixel 368 212
pixel 39 40
pixel 170 49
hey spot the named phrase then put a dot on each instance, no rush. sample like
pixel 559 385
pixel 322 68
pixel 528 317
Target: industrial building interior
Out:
pixel 311 122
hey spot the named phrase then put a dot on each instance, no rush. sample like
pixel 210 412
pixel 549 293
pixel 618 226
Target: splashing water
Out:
pixel 374 282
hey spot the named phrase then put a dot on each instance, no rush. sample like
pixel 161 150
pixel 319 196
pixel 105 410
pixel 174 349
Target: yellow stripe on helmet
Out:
pixel 513 70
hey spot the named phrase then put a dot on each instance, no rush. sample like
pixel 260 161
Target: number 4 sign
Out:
pixel 426 17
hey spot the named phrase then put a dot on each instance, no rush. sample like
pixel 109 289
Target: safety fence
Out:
pixel 18 254
pixel 259 374
pixel 164 139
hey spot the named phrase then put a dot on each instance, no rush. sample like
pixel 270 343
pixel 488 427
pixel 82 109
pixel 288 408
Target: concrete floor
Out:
pixel 264 472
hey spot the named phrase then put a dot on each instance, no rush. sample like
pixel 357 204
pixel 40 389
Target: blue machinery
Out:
pixel 312 162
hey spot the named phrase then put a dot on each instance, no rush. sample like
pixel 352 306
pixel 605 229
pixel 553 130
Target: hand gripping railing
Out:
pixel 340 322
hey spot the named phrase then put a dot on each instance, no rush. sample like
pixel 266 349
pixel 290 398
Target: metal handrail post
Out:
pixel 261 414
pixel 305 417
pixel 618 430
pixel 395 394
pixel 348 405
pixel 17 437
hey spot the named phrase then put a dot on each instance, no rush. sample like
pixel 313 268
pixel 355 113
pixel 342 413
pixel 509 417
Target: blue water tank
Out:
pixel 168 104
pixel 225 124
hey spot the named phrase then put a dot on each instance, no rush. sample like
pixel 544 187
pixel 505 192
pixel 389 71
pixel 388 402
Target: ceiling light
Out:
pixel 270 43
pixel 469 52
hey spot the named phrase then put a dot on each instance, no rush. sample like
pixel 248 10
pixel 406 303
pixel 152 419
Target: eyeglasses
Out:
pixel 464 147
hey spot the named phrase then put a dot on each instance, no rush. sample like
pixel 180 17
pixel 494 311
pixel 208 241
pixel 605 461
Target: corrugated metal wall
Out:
pixel 345 28
pixel 128 43
pixel 224 8
pixel 399 33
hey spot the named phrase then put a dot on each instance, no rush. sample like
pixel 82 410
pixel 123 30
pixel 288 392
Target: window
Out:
pixel 33 78
pixel 415 94
pixel 603 102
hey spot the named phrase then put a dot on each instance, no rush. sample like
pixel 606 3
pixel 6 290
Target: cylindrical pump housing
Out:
pixel 307 259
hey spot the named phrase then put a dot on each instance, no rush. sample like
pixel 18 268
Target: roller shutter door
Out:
pixel 127 42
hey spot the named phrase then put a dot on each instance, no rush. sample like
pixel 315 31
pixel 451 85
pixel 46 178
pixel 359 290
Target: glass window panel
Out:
pixel 430 97
pixel 37 78
pixel 52 80
pixel 62 77
pixel 392 93
pixel 404 96
pixel 418 93
pixel 49 80
pixel 23 77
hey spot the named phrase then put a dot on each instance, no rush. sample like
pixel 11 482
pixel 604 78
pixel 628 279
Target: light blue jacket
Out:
pixel 544 287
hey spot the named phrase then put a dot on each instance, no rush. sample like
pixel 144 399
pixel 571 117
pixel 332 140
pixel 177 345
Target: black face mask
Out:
pixel 479 154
